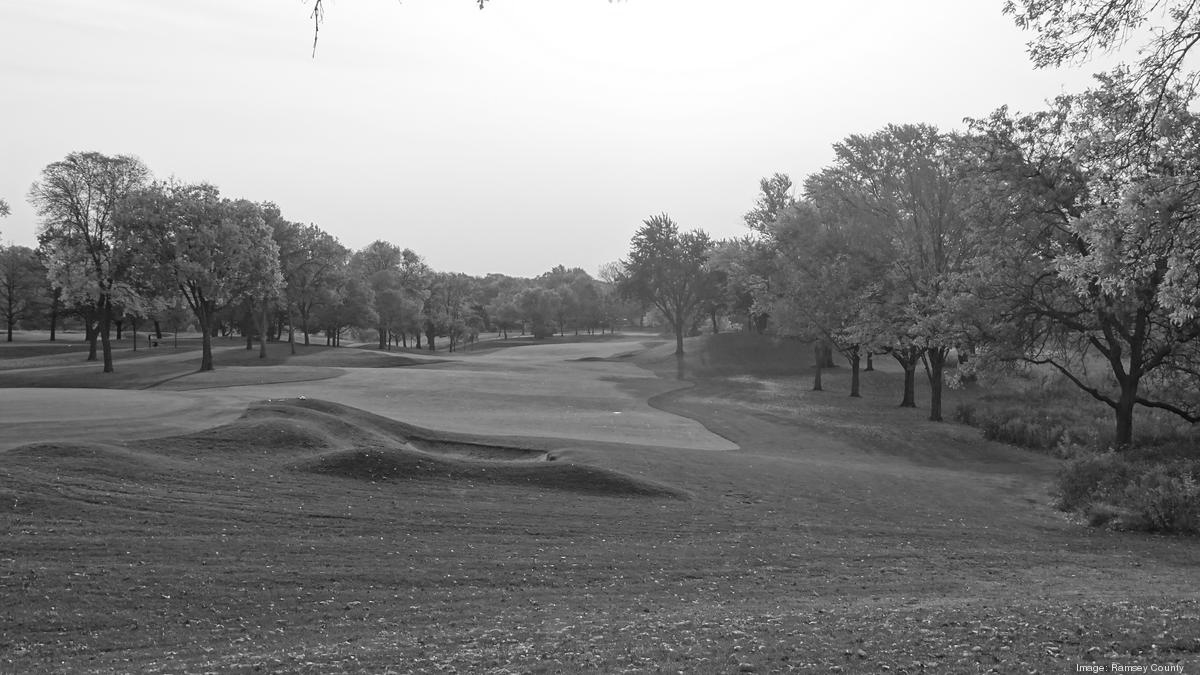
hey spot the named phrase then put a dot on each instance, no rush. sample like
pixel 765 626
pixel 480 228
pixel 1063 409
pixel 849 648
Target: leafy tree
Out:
pixel 22 280
pixel 668 269
pixel 907 184
pixel 310 259
pixel 351 305
pixel 820 281
pixel 447 311
pixel 378 264
pixel 77 199
pixel 775 195
pixel 1098 264
pixel 538 306
pixel 215 251
pixel 1073 30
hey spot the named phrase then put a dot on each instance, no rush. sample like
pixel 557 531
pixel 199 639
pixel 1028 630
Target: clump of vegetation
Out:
pixel 1063 433
pixel 1133 491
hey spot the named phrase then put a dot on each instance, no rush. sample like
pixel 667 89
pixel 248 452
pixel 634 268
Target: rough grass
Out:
pixel 845 536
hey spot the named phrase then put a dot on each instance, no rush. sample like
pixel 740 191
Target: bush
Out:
pixel 1133 494
pixel 1164 502
pixel 1090 480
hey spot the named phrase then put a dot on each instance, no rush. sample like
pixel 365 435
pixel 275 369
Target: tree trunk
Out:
pixel 291 330
pixel 854 358
pixel 679 338
pixel 1124 412
pixel 382 336
pixel 204 316
pixel 54 305
pixel 818 364
pixel 105 337
pixel 936 361
pixel 908 360
pixel 119 325
pixel 716 328
pixel 91 332
pixel 262 333
pixel 158 330
pixel 870 363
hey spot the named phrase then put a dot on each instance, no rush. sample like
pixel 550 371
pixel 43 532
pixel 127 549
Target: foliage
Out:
pixel 895 203
pixel 186 239
pixel 1095 257
pixel 1073 30
pixel 22 285
pixel 1128 493
pixel 77 199
pixel 668 269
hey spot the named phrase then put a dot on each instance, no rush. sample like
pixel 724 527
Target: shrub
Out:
pixel 1126 492
pixel 1164 502
pixel 1084 482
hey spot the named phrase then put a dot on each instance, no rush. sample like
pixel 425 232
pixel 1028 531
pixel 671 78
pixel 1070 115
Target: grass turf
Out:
pixel 845 535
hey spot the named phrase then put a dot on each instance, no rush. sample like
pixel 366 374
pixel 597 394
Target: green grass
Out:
pixel 147 368
pixel 845 535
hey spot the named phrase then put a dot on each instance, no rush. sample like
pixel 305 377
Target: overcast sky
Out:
pixel 529 134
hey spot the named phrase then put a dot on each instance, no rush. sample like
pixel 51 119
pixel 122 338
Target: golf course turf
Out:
pixel 597 515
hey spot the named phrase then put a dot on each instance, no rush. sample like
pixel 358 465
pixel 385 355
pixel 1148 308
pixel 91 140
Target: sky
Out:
pixel 529 134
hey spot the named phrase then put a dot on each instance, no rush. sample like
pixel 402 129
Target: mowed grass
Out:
pixel 43 365
pixel 845 535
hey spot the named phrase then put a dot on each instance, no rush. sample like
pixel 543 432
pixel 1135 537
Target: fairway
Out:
pixel 569 507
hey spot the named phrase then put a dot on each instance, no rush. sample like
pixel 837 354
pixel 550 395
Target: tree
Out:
pixel 668 269
pixel 447 311
pixel 378 264
pixel 537 306
pixel 77 199
pixel 214 251
pixel 351 305
pixel 1073 30
pixel 310 259
pixel 22 279
pixel 1098 264
pixel 775 195
pixel 820 281
pixel 907 184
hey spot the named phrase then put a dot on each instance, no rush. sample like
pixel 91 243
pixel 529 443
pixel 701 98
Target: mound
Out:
pixel 413 464
pixel 262 434
pixel 332 439
pixel 93 459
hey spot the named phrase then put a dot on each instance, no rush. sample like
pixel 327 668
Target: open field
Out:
pixel 572 507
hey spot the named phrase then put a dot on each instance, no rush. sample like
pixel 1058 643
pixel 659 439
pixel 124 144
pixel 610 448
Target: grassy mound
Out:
pixel 413 464
pixel 321 437
pixel 94 459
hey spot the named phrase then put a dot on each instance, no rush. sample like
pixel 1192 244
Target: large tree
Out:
pixel 1069 31
pixel 310 260
pixel 668 269
pixel 907 185
pixel 819 280
pixel 1097 269
pixel 77 199
pixel 214 251
pixel 22 282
